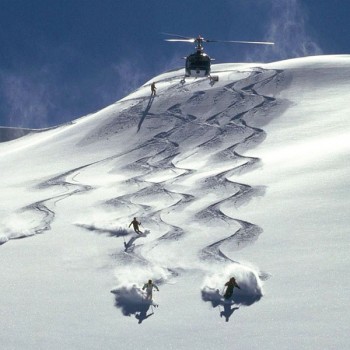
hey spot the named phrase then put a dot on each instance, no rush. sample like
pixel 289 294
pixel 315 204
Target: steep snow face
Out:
pixel 168 153
pixel 240 177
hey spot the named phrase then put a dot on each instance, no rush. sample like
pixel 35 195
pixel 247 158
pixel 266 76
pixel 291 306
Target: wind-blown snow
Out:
pixel 243 177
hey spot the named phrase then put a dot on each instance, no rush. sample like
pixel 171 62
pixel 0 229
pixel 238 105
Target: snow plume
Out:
pixel 140 275
pixel 3 239
pixel 26 99
pixel 172 62
pixel 101 222
pixel 17 226
pixel 129 296
pixel 250 286
pixel 129 75
pixel 132 73
pixel 111 231
pixel 288 30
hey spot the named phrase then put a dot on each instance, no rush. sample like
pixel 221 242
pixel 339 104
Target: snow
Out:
pixel 247 176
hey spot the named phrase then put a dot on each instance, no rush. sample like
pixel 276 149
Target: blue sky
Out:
pixel 62 59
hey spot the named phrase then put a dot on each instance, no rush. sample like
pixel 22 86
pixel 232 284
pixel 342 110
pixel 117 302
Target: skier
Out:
pixel 229 287
pixel 153 89
pixel 136 225
pixel 149 289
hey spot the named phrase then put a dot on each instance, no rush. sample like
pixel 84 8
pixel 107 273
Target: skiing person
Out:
pixel 153 89
pixel 149 289
pixel 229 287
pixel 136 225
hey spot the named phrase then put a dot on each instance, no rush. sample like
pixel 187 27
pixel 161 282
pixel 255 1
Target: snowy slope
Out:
pixel 246 176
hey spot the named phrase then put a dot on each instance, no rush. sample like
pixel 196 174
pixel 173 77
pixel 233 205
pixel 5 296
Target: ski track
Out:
pixel 226 133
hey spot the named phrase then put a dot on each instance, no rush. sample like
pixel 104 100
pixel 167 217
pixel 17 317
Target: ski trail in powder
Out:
pixel 180 178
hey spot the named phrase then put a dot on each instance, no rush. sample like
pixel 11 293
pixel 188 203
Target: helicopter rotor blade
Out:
pixel 182 40
pixel 178 36
pixel 241 42
pixel 193 40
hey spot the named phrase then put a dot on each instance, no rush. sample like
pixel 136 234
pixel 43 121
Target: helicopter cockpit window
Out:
pixel 198 63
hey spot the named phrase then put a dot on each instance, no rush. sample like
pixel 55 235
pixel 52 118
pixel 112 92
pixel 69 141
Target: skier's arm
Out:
pixel 226 284
pixel 237 286
pixel 156 287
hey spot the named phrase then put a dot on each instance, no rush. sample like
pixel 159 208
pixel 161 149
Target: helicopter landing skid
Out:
pixel 212 78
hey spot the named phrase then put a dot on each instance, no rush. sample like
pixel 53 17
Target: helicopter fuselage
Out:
pixel 198 65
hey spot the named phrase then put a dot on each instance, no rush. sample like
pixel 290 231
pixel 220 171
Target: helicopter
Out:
pixel 198 64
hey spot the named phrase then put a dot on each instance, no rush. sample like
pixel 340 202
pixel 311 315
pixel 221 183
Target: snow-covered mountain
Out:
pixel 246 176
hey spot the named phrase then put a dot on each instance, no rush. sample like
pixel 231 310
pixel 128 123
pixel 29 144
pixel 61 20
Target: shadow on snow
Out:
pixel 145 113
pixel 130 244
pixel 132 302
pixel 249 294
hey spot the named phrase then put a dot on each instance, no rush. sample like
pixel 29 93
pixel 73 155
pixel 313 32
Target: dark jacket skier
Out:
pixel 153 89
pixel 135 225
pixel 229 287
pixel 149 289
